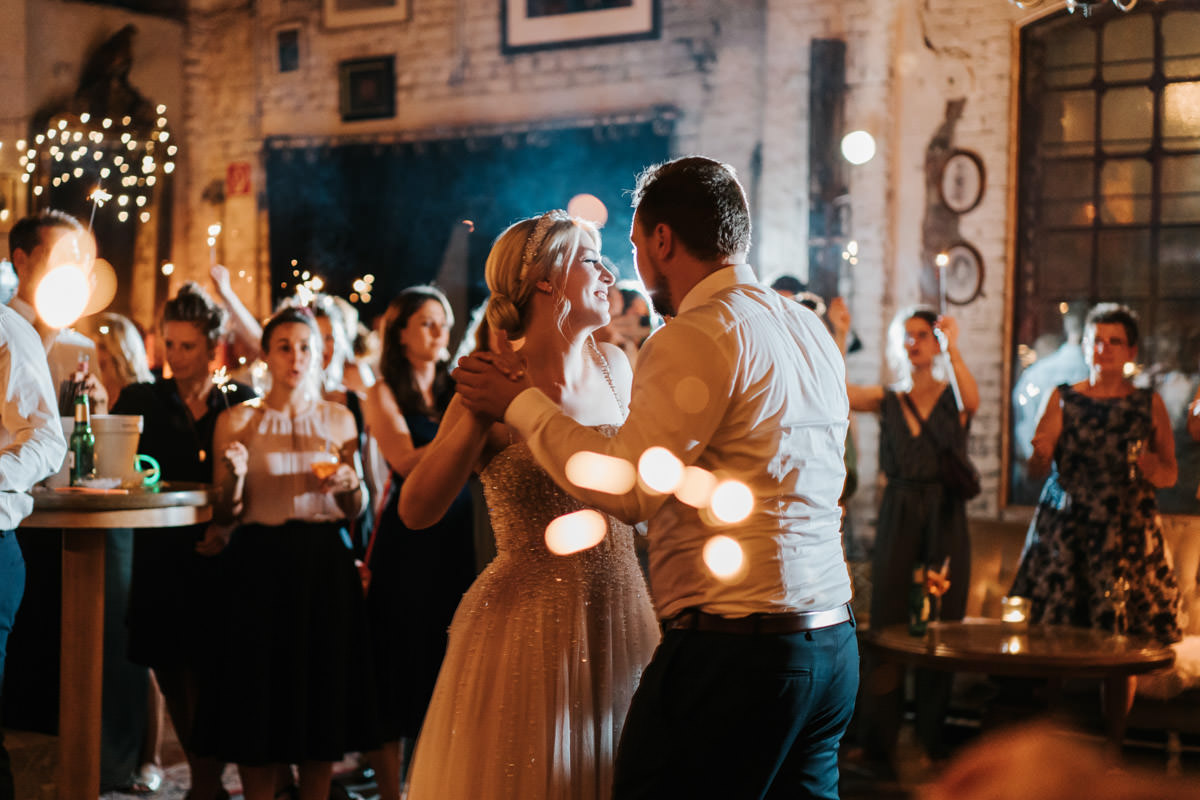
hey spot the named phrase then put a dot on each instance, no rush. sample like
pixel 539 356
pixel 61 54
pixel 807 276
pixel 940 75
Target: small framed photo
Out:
pixel 367 88
pixel 962 181
pixel 287 49
pixel 528 25
pixel 345 13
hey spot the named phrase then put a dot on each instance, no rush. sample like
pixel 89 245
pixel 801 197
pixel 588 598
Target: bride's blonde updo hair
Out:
pixel 532 250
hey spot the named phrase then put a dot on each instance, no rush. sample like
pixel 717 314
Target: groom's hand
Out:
pixel 488 382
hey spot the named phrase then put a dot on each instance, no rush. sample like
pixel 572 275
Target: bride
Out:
pixel 545 651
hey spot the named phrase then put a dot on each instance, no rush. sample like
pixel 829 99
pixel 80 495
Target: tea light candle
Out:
pixel 1014 612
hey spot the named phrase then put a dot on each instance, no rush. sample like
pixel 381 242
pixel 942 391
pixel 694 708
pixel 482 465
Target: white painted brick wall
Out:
pixel 738 72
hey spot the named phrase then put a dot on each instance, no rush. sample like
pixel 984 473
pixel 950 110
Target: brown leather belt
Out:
pixel 695 620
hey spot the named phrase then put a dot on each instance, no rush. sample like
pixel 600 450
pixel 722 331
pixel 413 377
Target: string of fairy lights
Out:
pixel 122 159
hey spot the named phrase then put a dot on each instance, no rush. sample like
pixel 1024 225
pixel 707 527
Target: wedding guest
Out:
pixel 31 447
pixel 287 681
pixel 417 577
pixel 1094 555
pixel 922 521
pixel 173 585
pixel 120 350
pixel 38 244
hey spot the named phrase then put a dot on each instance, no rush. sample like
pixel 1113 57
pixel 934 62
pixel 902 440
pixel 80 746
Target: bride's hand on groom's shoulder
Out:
pixel 488 381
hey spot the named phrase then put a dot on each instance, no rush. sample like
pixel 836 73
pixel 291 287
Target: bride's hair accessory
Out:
pixel 538 237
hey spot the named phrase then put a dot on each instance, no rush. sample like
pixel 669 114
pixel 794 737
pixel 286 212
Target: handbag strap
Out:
pixel 920 421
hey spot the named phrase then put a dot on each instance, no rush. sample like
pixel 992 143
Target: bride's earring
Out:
pixel 544 286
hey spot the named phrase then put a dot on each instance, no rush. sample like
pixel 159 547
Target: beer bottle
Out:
pixel 81 450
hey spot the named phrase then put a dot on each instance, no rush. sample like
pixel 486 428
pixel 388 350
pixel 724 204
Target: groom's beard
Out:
pixel 660 296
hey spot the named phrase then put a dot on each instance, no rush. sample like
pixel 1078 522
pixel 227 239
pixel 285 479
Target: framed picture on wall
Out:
pixel 344 13
pixel 367 88
pixel 287 49
pixel 527 25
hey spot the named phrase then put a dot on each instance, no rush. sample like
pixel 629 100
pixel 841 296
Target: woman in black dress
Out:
pixel 170 578
pixel 417 577
pixel 921 522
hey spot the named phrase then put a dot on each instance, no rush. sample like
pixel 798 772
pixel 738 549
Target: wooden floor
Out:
pixel 34 760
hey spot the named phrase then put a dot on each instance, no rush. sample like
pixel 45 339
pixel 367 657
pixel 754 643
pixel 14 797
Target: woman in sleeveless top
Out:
pixel 417 577
pixel 287 683
pixel 545 650
pixel 1095 555
pixel 921 523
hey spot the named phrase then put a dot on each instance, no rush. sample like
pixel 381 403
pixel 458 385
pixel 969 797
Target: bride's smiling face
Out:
pixel 586 285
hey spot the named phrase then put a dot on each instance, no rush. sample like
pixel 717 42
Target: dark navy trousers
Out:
pixel 12 587
pixel 725 715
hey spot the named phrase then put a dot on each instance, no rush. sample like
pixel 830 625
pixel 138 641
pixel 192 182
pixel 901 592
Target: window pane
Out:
pixel 1123 258
pixel 1125 192
pixel 1070 57
pixel 1178 267
pixel 1067 193
pixel 1068 123
pixel 1181 115
pixel 1181 189
pixel 1127 120
pixel 1129 48
pixel 1063 267
pixel 1181 44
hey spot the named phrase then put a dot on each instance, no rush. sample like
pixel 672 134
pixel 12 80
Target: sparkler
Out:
pixel 214 231
pixel 98 197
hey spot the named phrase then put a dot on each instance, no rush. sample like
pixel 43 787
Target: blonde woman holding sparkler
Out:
pixel 171 580
pixel 922 522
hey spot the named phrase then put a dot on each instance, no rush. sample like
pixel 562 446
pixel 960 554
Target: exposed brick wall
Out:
pixel 738 72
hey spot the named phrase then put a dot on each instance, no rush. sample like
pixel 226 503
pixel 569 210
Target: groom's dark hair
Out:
pixel 700 200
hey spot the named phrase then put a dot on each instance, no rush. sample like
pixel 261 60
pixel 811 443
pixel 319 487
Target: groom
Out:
pixel 752 687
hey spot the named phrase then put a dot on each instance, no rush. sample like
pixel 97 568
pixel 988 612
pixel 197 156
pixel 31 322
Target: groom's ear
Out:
pixel 544 286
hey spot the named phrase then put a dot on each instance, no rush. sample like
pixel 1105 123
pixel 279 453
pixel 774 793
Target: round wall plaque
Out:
pixel 962 277
pixel 962 182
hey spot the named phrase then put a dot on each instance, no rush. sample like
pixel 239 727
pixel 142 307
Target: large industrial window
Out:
pixel 1108 210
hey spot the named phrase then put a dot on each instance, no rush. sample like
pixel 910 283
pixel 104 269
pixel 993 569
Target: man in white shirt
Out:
pixel 31 447
pixel 752 687
pixel 37 244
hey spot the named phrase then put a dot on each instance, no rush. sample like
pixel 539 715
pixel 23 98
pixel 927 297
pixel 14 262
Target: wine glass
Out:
pixel 1118 596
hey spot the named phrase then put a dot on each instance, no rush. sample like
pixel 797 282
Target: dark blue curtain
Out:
pixel 389 209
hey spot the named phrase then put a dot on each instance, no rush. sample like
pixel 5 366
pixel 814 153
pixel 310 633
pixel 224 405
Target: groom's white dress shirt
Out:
pixel 749 386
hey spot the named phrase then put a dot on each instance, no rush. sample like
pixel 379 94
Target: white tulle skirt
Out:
pixel 543 659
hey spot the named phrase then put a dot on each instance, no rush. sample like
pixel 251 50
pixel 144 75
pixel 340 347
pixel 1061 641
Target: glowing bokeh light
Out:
pixel 102 287
pixel 574 532
pixel 696 488
pixel 660 470
pixel 168 268
pixel 732 501
pixel 602 473
pixel 724 558
pixel 858 147
pixel 589 207
pixel 61 296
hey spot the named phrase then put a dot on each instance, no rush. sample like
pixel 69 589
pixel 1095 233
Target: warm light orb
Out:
pixel 858 147
pixel 942 259
pixel 660 470
pixel 62 296
pixel 600 472
pixel 732 501
pixel 102 287
pixel 696 488
pixel 589 207
pixel 574 532
pixel 724 558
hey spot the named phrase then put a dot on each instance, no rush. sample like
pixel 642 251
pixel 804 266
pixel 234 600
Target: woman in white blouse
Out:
pixel 287 683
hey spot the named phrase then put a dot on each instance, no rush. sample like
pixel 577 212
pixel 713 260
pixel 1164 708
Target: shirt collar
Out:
pixel 47 335
pixel 714 282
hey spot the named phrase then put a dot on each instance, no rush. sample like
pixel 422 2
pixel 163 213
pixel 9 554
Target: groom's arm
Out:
pixel 681 388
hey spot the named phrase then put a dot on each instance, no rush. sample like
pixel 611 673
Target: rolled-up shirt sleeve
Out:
pixel 680 393
pixel 31 439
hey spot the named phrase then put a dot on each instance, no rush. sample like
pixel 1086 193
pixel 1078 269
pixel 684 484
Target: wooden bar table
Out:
pixel 83 519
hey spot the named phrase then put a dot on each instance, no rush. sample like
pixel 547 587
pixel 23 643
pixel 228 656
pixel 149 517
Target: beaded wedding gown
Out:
pixel 544 655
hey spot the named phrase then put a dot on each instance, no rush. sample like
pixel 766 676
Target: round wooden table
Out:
pixel 1041 651
pixel 83 519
